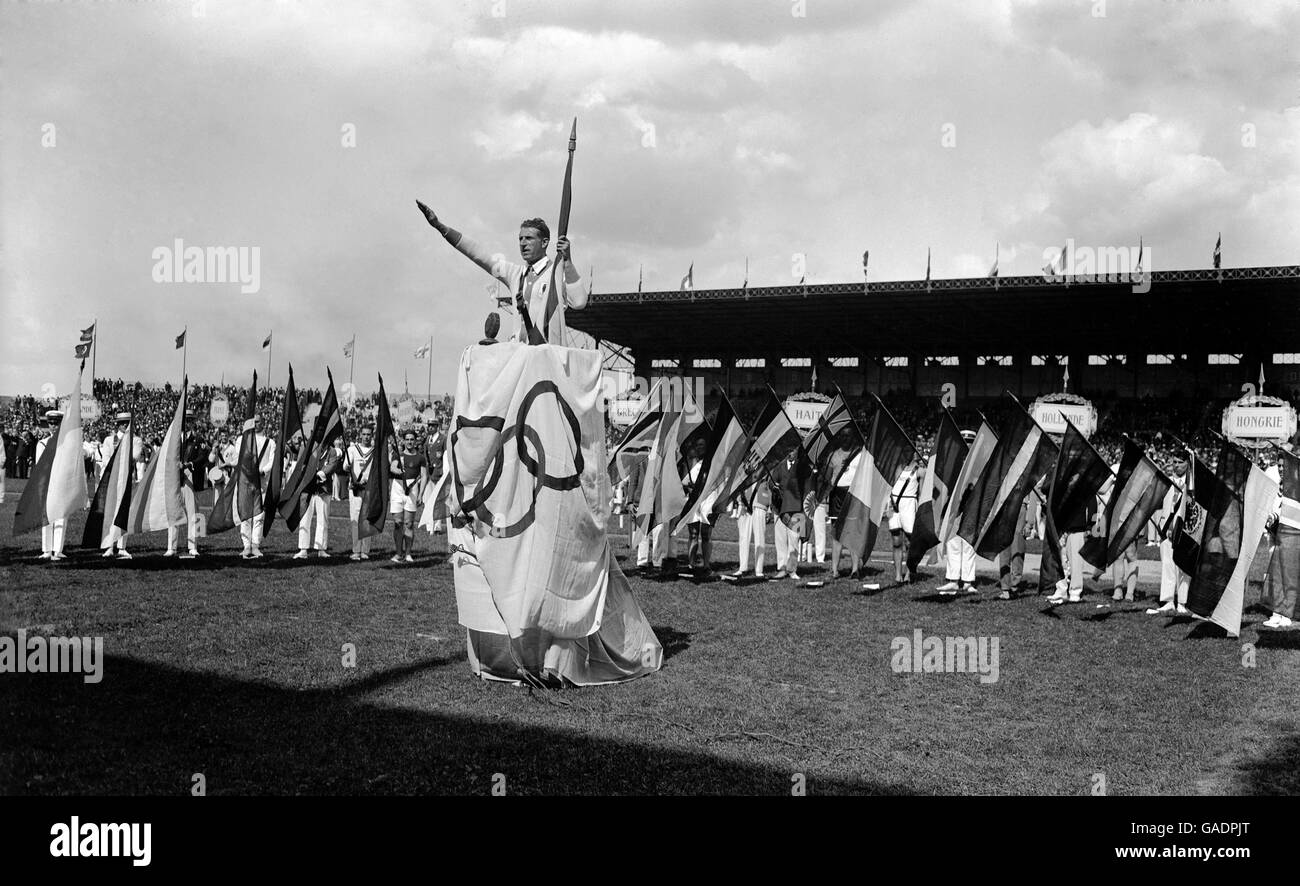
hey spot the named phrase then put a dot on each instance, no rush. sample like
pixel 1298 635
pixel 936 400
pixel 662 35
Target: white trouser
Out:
pixel 819 531
pixel 1173 581
pixel 961 560
pixel 52 537
pixel 359 545
pixel 116 538
pixel 744 530
pixel 787 547
pixel 1072 581
pixel 191 523
pixel 318 511
pixel 2 483
pixel 758 533
pixel 250 532
pixel 655 547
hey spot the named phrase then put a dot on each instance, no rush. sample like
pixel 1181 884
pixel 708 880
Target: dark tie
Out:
pixel 535 336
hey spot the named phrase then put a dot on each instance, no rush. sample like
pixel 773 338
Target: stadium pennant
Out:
pixel 349 347
pixel 636 443
pixel 723 455
pixel 56 488
pixel 157 502
pixel 242 497
pixel 180 341
pixel 327 428
pixel 993 271
pixel 266 342
pixel 110 507
pixel 941 472
pixel 688 282
pixel 1076 479
pixel 977 457
pixel 1284 564
pixel 374 498
pixel 887 451
pixel 1138 492
pixel 88 334
pixel 423 350
pixel 1239 505
pixel 1218 251
pixel 1022 457
pixel 290 427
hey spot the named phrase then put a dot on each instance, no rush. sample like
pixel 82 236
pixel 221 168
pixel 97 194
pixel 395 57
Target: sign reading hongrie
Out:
pixel 1257 418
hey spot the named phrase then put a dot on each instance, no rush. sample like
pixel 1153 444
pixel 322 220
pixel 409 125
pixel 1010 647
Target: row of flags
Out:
pixel 972 491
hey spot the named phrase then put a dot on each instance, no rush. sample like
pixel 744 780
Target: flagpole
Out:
pixel 352 359
pixel 185 348
pixel 430 356
pixel 94 352
pixel 270 349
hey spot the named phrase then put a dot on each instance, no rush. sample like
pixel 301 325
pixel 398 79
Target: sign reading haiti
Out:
pixel 1256 420
pixel 805 409
pixel 1052 411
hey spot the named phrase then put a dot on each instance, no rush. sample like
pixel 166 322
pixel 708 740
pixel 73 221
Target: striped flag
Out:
pixel 111 505
pixel 774 436
pixel 56 488
pixel 723 456
pixel 290 426
pixel 941 473
pixel 818 443
pixel 1076 479
pixel 157 502
pixel 977 456
pixel 327 428
pixel 1238 506
pixel 1138 492
pixel 1021 458
pixel 662 495
pixel 1284 564
pixel 242 497
pixel 887 451
pixel 374 498
pixel 636 442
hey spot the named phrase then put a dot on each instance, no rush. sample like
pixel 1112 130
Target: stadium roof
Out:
pixel 1236 310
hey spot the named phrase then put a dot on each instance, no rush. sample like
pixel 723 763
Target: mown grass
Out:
pixel 234 669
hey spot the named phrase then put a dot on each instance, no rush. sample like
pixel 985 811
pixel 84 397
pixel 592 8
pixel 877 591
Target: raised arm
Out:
pixel 507 272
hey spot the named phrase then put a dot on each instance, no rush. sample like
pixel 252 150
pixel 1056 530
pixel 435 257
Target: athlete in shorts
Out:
pixel 410 472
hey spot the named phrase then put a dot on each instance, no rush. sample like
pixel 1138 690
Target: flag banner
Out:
pixel 1022 457
pixel 977 456
pixel 723 454
pixel 88 334
pixel 941 472
pixel 662 493
pixel 374 498
pixel 774 436
pixel 435 507
pixel 422 350
pixel 1186 533
pixel 180 341
pixel 113 491
pixel 327 428
pixel 30 513
pixel 888 450
pixel 1138 492
pixel 266 342
pixel 635 444
pixel 688 282
pixel 242 497
pixel 1238 508
pixel 537 584
pixel 820 440
pixel 82 351
pixel 290 427
pixel 67 492
pixel 158 501
pixel 1218 251
pixel 1284 562
pixel 1076 479
pixel 348 347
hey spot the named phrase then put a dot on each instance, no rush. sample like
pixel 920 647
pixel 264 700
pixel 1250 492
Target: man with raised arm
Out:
pixel 541 312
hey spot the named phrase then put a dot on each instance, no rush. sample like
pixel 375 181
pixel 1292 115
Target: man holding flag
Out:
pixel 1284 564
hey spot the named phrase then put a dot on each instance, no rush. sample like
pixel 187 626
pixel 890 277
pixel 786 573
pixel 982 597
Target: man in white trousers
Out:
pixel 358 462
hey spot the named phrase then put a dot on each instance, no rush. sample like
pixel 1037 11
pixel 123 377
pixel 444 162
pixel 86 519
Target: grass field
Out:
pixel 233 669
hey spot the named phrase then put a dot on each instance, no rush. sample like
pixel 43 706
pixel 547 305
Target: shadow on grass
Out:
pixel 672 640
pixel 148 728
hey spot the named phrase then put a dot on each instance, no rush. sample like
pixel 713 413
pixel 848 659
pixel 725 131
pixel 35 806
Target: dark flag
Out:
pixel 327 428
pixel 242 497
pixel 991 510
pixel 774 436
pixel 180 341
pixel 1284 564
pixel 112 502
pixel 1072 492
pixel 290 425
pixel 374 499
pixel 1186 528
pixel 1138 492
pixel 721 463
pixel 941 472
pixel 82 351
pixel 1237 506
pixel 977 456
pixel 887 451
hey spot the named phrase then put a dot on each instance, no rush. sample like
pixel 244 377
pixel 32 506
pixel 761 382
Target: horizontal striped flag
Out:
pixel 157 502
pixel 1076 478
pixel 941 473
pixel 636 442
pixel 721 462
pixel 977 456
pixel 662 493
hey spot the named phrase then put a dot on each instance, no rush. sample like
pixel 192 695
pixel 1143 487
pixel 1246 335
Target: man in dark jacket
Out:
pixel 789 484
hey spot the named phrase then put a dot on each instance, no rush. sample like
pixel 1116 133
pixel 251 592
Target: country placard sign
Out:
pixel 1258 420
pixel 1052 416
pixel 219 411
pixel 804 413
pixel 623 412
pixel 90 409
pixel 406 409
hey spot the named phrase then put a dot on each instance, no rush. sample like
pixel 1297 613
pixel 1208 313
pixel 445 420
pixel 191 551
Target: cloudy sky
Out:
pixel 708 132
